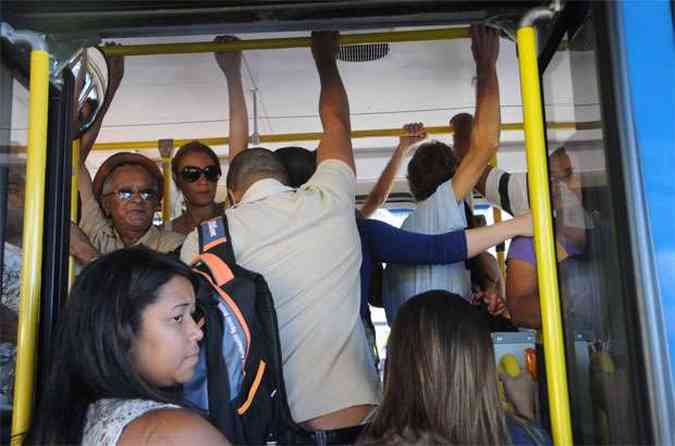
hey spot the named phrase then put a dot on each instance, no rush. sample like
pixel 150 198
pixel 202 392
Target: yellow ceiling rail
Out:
pixel 287 42
pixel 315 136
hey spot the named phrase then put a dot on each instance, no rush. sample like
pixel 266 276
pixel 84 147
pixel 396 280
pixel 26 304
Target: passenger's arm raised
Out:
pixel 378 195
pixel 88 138
pixel 486 123
pixel 336 142
pixel 230 63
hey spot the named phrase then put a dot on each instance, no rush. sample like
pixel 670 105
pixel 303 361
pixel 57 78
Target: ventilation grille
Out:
pixel 363 53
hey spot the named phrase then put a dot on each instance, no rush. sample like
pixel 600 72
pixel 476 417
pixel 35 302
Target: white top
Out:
pixel 516 190
pixel 107 419
pixel 306 245
pixel 439 213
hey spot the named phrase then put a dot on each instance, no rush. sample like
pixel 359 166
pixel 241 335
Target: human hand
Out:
pixel 228 61
pixel 521 392
pixel 484 45
pixel 80 246
pixel 494 302
pixel 324 46
pixel 415 133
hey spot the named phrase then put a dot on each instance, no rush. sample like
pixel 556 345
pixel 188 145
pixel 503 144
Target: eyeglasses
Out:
pixel 128 194
pixel 192 173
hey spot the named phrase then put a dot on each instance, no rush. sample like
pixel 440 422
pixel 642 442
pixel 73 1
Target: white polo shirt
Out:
pixel 306 245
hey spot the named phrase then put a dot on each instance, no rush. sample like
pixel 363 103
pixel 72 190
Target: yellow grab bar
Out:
pixel 74 195
pixel 31 261
pixel 165 147
pixel 288 42
pixel 314 136
pixel 544 244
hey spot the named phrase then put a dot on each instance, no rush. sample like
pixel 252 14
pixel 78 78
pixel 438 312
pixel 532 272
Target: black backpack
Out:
pixel 240 374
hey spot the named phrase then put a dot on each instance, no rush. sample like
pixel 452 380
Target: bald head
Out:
pixel 253 165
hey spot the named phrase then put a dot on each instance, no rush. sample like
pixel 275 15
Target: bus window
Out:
pixel 599 322
pixel 13 135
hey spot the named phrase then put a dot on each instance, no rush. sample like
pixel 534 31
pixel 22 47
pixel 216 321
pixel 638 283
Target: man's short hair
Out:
pixel 252 165
pixel 433 164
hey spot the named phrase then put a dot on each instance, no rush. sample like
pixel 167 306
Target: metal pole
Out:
pixel 280 43
pixel 315 136
pixel 544 243
pixel 165 147
pixel 74 202
pixel 31 262
pixel 500 248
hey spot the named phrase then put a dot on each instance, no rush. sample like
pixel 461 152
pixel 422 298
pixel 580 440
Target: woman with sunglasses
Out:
pixel 196 167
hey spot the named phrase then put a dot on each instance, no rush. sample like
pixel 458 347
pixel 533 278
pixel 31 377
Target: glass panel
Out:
pixel 598 338
pixel 13 135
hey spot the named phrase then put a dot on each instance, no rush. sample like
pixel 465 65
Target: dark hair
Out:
pixel 91 349
pixel 440 382
pixel 192 147
pixel 433 164
pixel 252 165
pixel 299 162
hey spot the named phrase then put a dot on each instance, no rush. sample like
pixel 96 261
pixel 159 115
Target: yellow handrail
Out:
pixel 31 261
pixel 315 136
pixel 165 147
pixel 288 42
pixel 544 244
pixel 74 194
pixel 497 216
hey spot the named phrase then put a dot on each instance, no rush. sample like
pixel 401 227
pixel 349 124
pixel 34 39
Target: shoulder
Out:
pixel 331 172
pixel 170 426
pixel 190 248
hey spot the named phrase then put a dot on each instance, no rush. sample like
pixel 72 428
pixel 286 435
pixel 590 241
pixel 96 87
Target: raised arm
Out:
pixel 378 195
pixel 88 138
pixel 486 123
pixel 230 63
pixel 336 142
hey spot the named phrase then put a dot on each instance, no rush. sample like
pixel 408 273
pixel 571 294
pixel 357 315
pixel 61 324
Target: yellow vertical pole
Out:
pixel 166 151
pixel 497 216
pixel 543 237
pixel 74 194
pixel 31 262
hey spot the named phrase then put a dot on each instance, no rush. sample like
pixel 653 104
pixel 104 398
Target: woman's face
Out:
pixel 201 192
pixel 165 352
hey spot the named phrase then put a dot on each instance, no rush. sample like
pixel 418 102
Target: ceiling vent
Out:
pixel 363 53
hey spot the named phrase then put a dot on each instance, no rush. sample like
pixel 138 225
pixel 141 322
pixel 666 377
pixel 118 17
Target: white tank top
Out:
pixel 107 419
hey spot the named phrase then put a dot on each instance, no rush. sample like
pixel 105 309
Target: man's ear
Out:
pixel 232 197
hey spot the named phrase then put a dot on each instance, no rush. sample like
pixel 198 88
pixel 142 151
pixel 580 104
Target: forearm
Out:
pixel 481 239
pixel 393 245
pixel 238 115
pixel 378 195
pixel 487 121
pixel 333 102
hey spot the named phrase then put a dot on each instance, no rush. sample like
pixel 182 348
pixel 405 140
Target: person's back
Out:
pixel 306 245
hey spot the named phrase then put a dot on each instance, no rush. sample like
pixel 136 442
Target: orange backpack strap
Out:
pixel 214 238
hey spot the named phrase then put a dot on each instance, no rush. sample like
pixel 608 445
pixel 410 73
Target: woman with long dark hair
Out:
pixel 125 344
pixel 440 380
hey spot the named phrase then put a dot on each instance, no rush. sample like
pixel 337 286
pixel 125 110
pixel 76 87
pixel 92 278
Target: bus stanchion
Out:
pixel 165 147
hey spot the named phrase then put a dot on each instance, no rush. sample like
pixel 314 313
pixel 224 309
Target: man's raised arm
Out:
pixel 487 119
pixel 336 141
pixel 230 64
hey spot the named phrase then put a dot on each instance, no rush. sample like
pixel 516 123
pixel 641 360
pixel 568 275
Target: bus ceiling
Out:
pixel 118 19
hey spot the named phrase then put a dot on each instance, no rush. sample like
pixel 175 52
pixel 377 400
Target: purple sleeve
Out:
pixel 522 248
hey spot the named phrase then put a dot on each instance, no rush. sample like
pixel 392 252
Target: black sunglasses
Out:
pixel 192 173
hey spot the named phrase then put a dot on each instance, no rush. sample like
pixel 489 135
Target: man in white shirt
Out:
pixel 306 244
